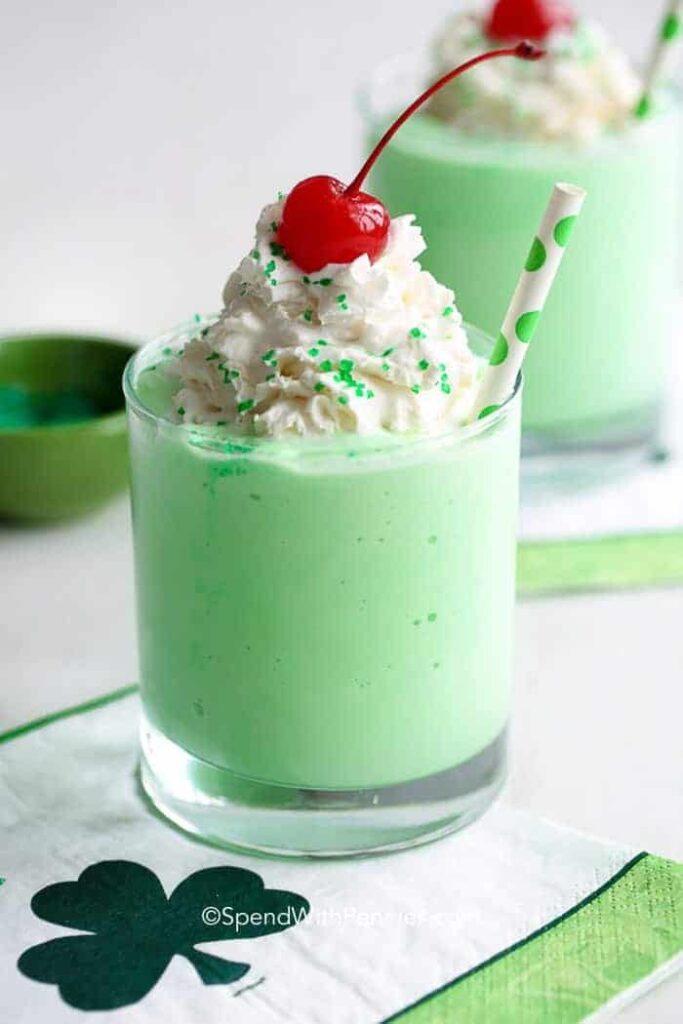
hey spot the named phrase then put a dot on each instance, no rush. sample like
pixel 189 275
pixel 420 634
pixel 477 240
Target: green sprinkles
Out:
pixel 270 376
pixel 326 366
pixel 268 356
pixel 387 352
pixel 319 386
pixel 214 355
pixel 423 364
pixel 308 315
pixel 255 254
pixel 386 367
pixel 346 365
pixel 167 351
pixel 180 410
pixel 269 268
pixel 343 400
pixel 314 352
pixel 246 405
pixel 447 311
pixel 324 282
pixel 415 389
pixel 279 250
pixel 416 332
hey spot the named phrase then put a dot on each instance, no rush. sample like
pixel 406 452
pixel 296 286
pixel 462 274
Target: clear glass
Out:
pixel 325 627
pixel 594 375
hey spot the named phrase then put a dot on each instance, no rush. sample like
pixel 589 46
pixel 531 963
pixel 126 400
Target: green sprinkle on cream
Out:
pixel 387 352
pixel 279 250
pixel 447 311
pixel 270 376
pixel 415 332
pixel 308 315
pixel 370 394
pixel 314 352
pixel 267 356
pixel 181 410
pixel 214 355
pixel 423 364
pixel 255 254
pixel 306 279
pixel 167 351
pixel 269 268
pixel 319 386
pixel 346 365
pixel 343 400
pixel 321 341
pixel 415 389
pixel 324 282
pixel 273 226
pixel 446 388
pixel 280 196
pixel 197 318
pixel 326 366
pixel 386 367
pixel 246 405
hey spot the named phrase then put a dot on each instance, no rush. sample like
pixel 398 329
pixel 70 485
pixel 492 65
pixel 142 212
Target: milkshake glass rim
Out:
pixel 488 145
pixel 221 440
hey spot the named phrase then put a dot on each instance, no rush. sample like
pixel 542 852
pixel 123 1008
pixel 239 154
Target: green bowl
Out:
pixel 63 442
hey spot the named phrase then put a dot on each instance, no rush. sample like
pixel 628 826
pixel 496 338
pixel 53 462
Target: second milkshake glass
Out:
pixel 595 376
pixel 325 626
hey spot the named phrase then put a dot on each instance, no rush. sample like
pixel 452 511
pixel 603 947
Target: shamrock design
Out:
pixel 135 930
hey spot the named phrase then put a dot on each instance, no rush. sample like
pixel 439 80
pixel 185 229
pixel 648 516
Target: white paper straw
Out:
pixel 669 34
pixel 524 312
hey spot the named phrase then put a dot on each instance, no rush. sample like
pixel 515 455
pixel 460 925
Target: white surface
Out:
pixel 141 139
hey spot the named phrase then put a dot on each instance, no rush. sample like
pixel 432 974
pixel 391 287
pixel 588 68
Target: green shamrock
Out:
pixel 136 931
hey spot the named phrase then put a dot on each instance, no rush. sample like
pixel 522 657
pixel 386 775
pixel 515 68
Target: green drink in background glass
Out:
pixel 325 625
pixel 594 380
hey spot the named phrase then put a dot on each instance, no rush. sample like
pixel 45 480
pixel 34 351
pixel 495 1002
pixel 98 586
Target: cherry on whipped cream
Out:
pixel 325 221
pixel 510 20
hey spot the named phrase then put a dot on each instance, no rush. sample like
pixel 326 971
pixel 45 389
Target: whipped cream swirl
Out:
pixel 360 347
pixel 582 89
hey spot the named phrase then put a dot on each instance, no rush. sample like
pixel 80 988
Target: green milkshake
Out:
pixel 325 556
pixel 324 482
pixel 476 166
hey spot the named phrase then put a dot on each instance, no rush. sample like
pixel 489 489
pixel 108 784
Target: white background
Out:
pixel 141 137
pixel 139 141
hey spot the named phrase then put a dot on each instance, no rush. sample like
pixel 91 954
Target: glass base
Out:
pixel 230 810
pixel 584 456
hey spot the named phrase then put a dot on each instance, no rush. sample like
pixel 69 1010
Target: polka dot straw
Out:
pixel 670 32
pixel 524 313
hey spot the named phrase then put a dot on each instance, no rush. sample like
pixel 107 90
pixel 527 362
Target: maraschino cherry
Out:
pixel 325 221
pixel 511 20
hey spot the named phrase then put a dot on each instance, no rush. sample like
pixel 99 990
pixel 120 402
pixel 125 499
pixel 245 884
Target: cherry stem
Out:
pixel 525 51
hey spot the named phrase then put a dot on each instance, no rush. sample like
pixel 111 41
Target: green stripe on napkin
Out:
pixel 600 563
pixel 609 942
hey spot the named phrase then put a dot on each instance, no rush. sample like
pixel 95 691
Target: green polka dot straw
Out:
pixel 669 34
pixel 524 312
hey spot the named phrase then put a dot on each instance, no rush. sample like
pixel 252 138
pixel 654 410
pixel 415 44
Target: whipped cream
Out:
pixel 360 347
pixel 583 88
